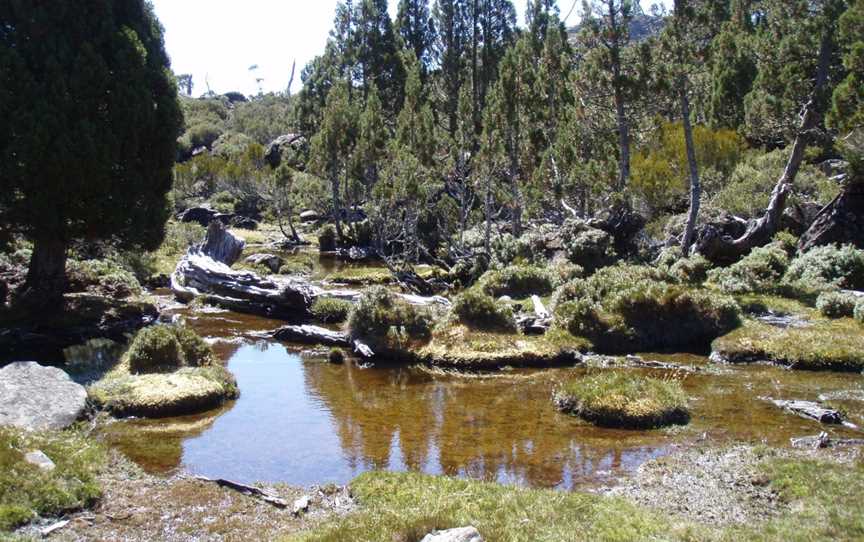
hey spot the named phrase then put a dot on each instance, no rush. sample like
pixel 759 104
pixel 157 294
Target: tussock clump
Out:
pixel 330 310
pixel 384 321
pixel 160 348
pixel 828 267
pixel 476 310
pixel 517 281
pixel 336 356
pixel 101 276
pixel 628 308
pixel 624 400
pixel 761 271
pixel 836 304
pixel 327 238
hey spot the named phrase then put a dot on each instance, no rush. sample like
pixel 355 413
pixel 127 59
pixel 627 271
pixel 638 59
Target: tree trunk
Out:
pixel 46 278
pixel 695 186
pixel 718 248
pixel 487 209
pixel 337 204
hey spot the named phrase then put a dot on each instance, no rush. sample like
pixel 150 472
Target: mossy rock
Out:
pixel 824 345
pixel 186 391
pixel 617 399
pixel 459 347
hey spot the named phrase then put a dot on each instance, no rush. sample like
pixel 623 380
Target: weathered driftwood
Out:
pixel 220 244
pixel 810 411
pixel 307 334
pixel 539 308
pixel 49 530
pixel 363 349
pixel 198 275
pixel 840 222
pixel 822 440
pixel 247 490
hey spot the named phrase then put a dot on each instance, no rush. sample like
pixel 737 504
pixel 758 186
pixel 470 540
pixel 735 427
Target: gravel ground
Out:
pixel 139 507
pixel 709 485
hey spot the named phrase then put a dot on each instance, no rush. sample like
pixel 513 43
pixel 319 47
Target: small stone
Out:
pixel 38 458
pixel 462 534
pixel 302 504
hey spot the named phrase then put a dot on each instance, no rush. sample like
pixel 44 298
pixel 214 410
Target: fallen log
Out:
pixel 363 349
pixel 307 334
pixel 809 410
pixel 249 491
pixel 822 440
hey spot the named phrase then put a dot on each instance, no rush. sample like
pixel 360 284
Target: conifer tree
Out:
pixel 414 25
pixel 90 119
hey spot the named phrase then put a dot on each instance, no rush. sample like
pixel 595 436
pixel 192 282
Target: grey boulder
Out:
pixel 462 534
pixel 36 398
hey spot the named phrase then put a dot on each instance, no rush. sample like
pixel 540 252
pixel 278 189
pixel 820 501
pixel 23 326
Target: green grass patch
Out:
pixel 406 506
pixel 362 276
pixel 330 310
pixel 26 491
pixel 619 399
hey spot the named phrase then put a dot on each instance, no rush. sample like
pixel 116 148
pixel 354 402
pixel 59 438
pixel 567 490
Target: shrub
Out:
pixel 102 276
pixel 564 271
pixel 692 270
pixel 836 304
pixel 327 238
pixel 167 347
pixel 627 308
pixel 224 202
pixel 761 271
pixel 828 267
pixel 336 356
pixel 624 400
pixel 517 281
pixel 787 241
pixel 587 246
pixel 384 321
pixel 330 310
pixel 859 311
pixel 477 310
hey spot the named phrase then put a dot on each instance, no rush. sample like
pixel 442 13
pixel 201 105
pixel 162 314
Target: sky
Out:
pixel 217 41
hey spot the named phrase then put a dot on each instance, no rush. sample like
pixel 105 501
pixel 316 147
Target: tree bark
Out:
pixel 760 232
pixel 695 186
pixel 46 277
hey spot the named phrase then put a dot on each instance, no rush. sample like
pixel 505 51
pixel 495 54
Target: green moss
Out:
pixel 477 310
pixel 407 506
pixel 518 281
pixel 26 491
pixel 617 399
pixel 832 345
pixel 330 310
pixel 361 276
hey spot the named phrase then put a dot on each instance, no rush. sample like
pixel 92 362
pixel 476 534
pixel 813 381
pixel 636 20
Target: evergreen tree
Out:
pixel 376 53
pixel 372 139
pixel 452 27
pixel 496 32
pixel 90 122
pixel 733 70
pixel 333 145
pixel 416 28
pixel 847 107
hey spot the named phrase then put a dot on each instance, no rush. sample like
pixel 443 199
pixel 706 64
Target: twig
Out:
pixel 249 491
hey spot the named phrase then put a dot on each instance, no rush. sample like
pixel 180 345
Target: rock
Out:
pixel 37 398
pixel 462 534
pixel 279 147
pixel 39 459
pixel 244 223
pixel 841 221
pixel 221 245
pixel 834 167
pixel 301 504
pixel 309 216
pixel 270 261
pixel 203 215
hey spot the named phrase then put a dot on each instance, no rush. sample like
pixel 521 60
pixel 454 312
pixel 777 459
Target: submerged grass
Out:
pixel 618 399
pixel 27 491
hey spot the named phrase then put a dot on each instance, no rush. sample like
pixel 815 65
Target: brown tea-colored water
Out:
pixel 300 420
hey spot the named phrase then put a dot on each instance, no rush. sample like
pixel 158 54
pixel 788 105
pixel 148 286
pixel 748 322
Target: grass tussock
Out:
pixel 27 492
pixel 330 310
pixel 167 371
pixel 477 310
pixel 518 281
pixel 618 399
pixel 824 345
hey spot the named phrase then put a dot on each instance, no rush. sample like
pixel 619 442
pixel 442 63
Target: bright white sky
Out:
pixel 219 40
